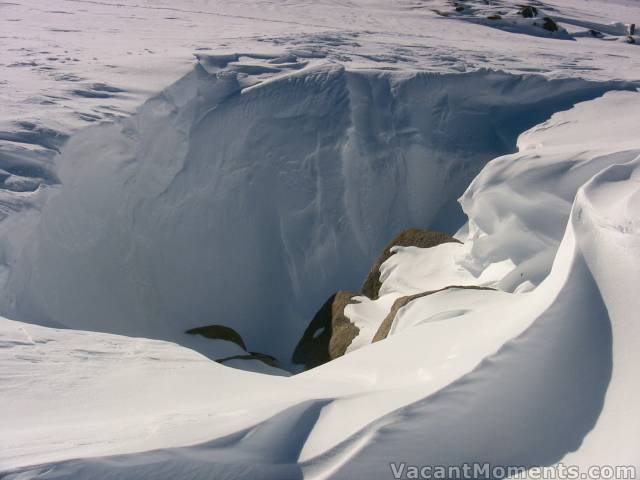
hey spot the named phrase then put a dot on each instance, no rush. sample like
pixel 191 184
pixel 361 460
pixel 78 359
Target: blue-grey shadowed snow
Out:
pixel 28 163
pixel 30 133
pixel 27 152
pixel 268 451
pixel 528 405
pixel 97 90
pixel 247 201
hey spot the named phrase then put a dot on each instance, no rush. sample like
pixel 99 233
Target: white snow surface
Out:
pixel 510 378
pixel 269 175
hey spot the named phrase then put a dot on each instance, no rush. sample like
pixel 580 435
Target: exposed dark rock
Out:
pixel 268 359
pixel 264 358
pixel 631 39
pixel 528 11
pixel 328 335
pixel 460 8
pixel 313 348
pixel 330 332
pixel 412 237
pixel 385 326
pixel 494 17
pixel 550 25
pixel 343 330
pixel 596 33
pixel 219 332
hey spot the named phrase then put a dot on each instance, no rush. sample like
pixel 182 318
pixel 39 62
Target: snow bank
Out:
pixel 529 378
pixel 109 394
pixel 255 186
pixel 556 158
pixel 563 377
pixel 205 208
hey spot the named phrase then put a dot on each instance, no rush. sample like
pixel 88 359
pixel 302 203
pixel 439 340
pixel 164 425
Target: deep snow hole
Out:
pixel 248 207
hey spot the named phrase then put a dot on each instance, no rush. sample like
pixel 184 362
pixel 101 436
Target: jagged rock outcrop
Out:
pixel 387 323
pixel 412 237
pixel 329 333
pixel 343 331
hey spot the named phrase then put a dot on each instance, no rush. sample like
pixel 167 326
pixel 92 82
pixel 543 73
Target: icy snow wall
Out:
pixel 254 187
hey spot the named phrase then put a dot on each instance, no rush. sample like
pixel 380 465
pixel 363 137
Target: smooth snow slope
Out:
pixel 529 378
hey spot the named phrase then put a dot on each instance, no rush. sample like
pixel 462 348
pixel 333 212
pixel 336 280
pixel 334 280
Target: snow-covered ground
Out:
pixel 267 173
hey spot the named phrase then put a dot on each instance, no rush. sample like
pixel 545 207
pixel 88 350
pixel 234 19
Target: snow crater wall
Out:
pixel 250 190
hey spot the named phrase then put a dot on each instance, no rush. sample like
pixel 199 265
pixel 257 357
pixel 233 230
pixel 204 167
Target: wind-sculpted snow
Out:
pixel 67 64
pixel 541 370
pixel 255 186
pixel 71 63
pixel 303 137
pixel 564 383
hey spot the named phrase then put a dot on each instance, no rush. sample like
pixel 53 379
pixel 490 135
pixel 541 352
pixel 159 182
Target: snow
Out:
pixel 609 239
pixel 580 331
pixel 246 185
pixel 94 394
pixel 346 158
pixel 481 367
pixel 71 63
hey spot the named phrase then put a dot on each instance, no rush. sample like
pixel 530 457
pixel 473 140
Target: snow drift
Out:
pixel 256 186
pixel 556 386
pixel 541 371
